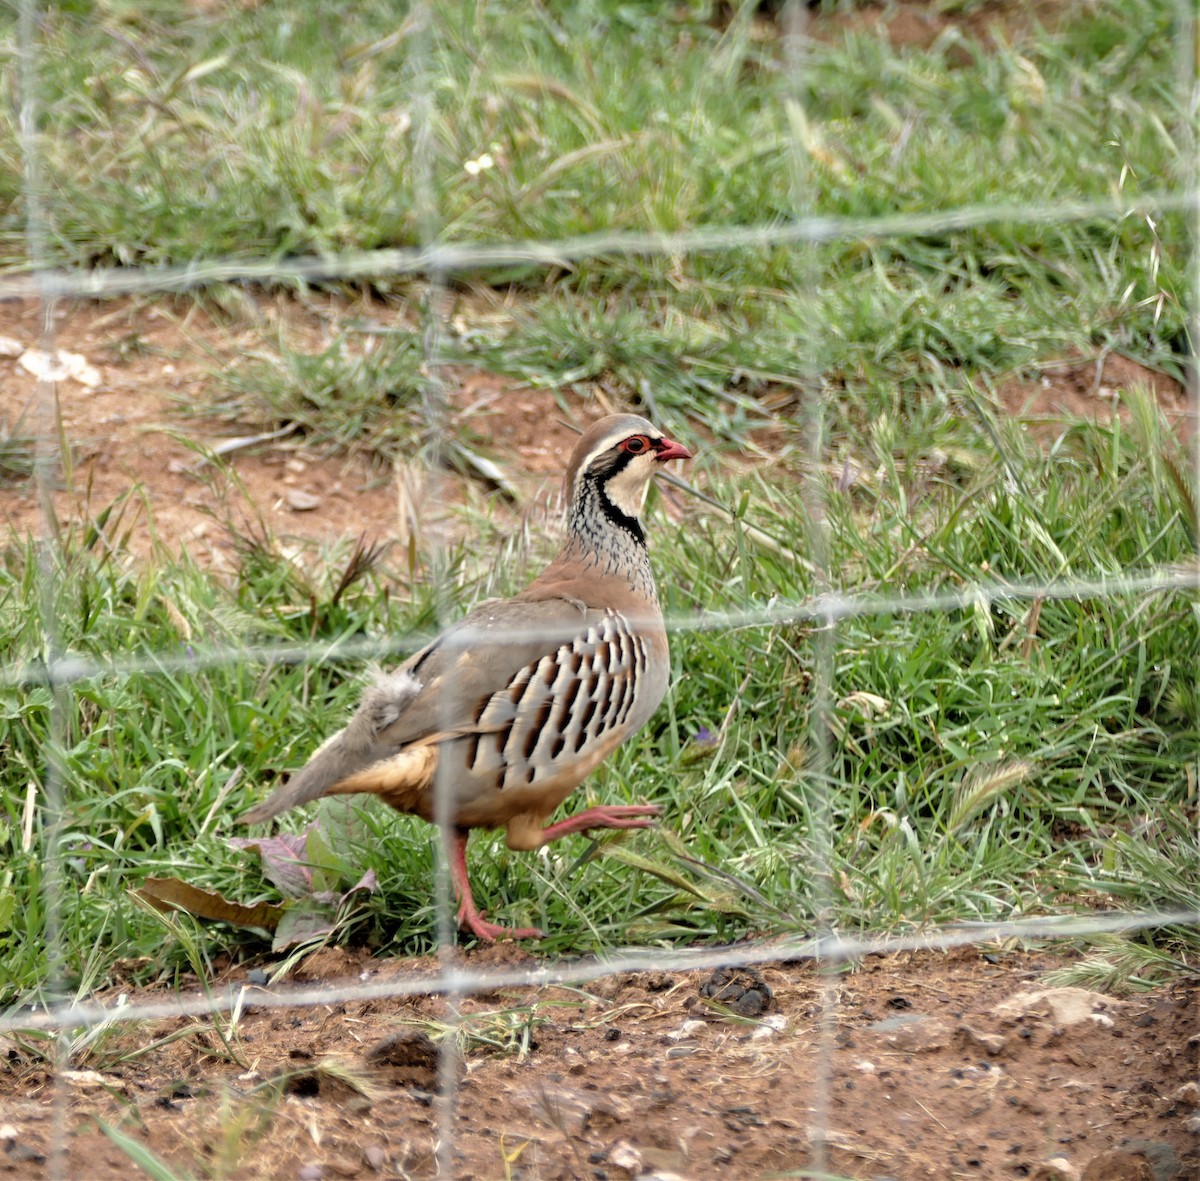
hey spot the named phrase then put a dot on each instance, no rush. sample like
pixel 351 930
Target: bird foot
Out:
pixel 605 816
pixel 471 920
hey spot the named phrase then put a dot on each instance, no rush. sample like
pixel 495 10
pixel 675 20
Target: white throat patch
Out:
pixel 627 489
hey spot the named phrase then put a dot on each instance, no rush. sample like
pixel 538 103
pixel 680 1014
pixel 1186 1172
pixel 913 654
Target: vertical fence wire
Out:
pixel 814 498
pixel 1188 89
pixel 50 459
pixel 422 74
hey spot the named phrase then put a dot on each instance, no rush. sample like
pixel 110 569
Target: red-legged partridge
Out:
pixel 514 705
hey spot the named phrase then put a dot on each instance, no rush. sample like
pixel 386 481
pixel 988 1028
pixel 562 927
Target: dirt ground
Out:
pixel 137 428
pixel 937 1069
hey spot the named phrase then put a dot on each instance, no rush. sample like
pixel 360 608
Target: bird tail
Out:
pixel 314 779
pixel 346 753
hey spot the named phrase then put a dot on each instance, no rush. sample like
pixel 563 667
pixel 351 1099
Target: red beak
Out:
pixel 668 449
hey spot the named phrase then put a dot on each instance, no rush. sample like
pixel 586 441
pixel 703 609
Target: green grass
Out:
pixel 1099 707
pixel 1016 758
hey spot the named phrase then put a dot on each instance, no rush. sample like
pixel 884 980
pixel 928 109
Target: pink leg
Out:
pixel 468 914
pixel 605 816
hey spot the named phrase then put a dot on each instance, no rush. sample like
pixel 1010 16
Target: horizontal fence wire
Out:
pixel 453 978
pixel 448 258
pixel 70 667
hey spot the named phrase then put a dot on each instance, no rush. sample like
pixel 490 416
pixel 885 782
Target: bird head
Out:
pixel 618 456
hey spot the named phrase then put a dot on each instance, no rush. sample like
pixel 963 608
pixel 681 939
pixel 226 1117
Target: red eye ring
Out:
pixel 636 445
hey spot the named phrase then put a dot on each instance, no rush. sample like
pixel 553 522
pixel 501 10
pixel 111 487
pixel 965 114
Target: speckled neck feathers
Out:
pixel 605 541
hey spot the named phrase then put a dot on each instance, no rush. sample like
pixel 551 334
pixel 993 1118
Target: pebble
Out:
pixel 623 1155
pixel 300 501
pixel 1058 1168
pixel 769 1027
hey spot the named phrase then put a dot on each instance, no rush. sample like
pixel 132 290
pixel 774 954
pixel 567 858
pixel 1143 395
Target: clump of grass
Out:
pixel 360 393
pixel 18 451
pixel 1114 965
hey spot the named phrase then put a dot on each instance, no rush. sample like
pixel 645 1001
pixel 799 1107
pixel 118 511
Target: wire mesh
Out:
pixel 432 261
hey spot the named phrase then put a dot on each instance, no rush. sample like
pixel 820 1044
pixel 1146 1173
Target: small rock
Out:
pixel 10 347
pixel 571 1111
pixel 993 1043
pixel 15 1151
pixel 376 1157
pixel 312 1172
pixel 917 1034
pixel 22 1152
pixel 688 1029
pixel 891 1024
pixel 1058 1168
pixel 741 990
pixel 405 1047
pixel 300 501
pixel 1065 1006
pixel 1118 1165
pixel 1189 1093
pixel 623 1155
pixel 1164 1164
pixel 769 1027
pixel 59 366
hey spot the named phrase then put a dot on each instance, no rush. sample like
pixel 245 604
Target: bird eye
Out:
pixel 636 445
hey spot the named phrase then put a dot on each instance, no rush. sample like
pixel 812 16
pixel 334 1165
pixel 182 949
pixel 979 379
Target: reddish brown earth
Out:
pixel 158 365
pixel 1079 390
pixel 919 24
pixel 643 1075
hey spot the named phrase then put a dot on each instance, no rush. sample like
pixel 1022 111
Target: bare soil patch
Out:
pixel 644 1075
pixel 129 435
pixel 919 24
pixel 1089 390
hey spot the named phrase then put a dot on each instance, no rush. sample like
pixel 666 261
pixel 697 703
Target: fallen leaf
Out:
pixel 284 861
pixel 167 894
pixel 301 922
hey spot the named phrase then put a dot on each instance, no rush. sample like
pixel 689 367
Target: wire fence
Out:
pixel 434 261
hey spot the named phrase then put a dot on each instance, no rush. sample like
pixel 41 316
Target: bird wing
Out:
pixel 441 692
pixel 479 658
